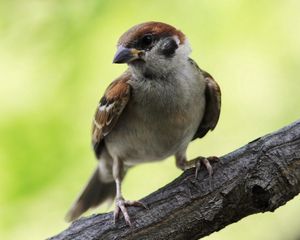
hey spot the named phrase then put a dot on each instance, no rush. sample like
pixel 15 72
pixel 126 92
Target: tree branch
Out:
pixel 258 177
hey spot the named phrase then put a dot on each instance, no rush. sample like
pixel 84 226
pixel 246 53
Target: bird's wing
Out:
pixel 212 105
pixel 109 110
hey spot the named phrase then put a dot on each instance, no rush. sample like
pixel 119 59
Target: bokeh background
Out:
pixel 55 63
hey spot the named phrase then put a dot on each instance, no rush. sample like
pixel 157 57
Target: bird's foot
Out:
pixel 206 162
pixel 121 206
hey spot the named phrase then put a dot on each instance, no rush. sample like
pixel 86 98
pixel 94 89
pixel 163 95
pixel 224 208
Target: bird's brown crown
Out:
pixel 155 28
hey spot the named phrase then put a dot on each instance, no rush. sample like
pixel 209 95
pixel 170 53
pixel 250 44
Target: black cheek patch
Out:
pixel 169 47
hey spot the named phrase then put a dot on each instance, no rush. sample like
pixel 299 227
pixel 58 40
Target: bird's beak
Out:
pixel 125 55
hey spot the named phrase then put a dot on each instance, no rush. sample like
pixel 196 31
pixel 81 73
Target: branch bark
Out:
pixel 258 177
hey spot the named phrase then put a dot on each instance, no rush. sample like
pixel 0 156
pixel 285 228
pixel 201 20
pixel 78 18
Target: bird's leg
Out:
pixel 121 203
pixel 183 164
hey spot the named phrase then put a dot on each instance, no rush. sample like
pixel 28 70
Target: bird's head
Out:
pixel 152 48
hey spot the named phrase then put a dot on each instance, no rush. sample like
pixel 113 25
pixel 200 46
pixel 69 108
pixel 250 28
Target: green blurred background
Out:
pixel 55 63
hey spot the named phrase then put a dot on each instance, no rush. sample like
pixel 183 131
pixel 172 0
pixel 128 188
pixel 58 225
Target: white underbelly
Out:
pixel 158 121
pixel 137 139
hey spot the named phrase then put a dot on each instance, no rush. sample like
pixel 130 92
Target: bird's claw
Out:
pixel 121 205
pixel 206 162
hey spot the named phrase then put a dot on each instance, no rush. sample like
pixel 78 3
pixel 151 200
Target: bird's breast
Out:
pixel 154 125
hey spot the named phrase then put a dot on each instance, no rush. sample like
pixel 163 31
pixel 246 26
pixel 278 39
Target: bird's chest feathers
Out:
pixel 161 100
pixel 165 109
pixel 160 118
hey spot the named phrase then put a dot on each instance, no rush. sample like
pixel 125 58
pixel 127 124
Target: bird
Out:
pixel 161 103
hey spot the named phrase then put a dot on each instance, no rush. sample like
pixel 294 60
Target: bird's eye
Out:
pixel 147 40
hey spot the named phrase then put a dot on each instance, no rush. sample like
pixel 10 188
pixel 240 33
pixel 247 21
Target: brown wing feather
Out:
pixel 212 106
pixel 109 110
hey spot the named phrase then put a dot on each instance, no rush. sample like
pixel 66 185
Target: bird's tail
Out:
pixel 95 193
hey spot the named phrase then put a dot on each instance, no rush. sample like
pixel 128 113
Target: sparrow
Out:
pixel 161 103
